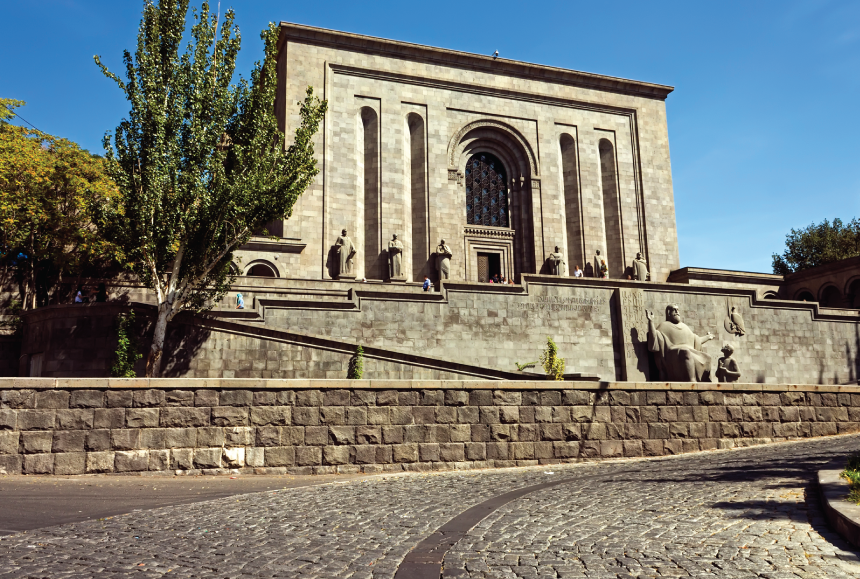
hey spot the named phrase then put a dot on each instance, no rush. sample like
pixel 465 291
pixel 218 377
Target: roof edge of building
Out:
pixel 459 59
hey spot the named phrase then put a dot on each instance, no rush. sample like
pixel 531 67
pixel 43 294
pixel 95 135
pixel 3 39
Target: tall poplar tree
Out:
pixel 200 162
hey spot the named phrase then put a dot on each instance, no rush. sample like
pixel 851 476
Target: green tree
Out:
pixel 7 108
pixel 356 365
pixel 552 364
pixel 200 162
pixel 818 244
pixel 46 231
pixel 126 354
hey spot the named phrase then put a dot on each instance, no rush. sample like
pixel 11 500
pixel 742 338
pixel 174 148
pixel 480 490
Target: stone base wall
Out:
pixel 75 426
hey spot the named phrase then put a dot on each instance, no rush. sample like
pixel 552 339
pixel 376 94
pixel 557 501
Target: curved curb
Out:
pixel 843 517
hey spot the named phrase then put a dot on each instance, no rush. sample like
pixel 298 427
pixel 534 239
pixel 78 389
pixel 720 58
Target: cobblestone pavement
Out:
pixel 744 513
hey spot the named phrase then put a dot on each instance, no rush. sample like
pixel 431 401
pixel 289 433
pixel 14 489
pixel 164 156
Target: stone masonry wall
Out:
pixel 76 426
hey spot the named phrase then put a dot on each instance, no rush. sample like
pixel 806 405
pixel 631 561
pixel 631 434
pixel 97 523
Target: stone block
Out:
pixel 125 439
pixel 9 442
pixel 667 413
pixel 368 435
pixel 67 441
pixel 632 448
pixel 452 452
pixel 400 415
pixel 792 399
pixel 210 436
pixel 510 414
pixel 438 433
pixel 235 398
pixel 456 398
pixel 424 414
pixel 271 415
pixel 581 413
pixel 432 398
pixel 386 398
pixel 489 414
pixel 336 398
pixel 594 431
pixel 207 458
pixel 507 398
pixel 342 435
pixel 364 454
pixel 74 419
pixel 8 419
pixel 658 431
pixel 119 398
pixel 730 430
pixel 255 457
pixel 268 436
pixel 565 449
pixel 698 430
pixel 652 447
pixel 36 442
pixel 527 414
pixel 172 437
pixel 229 415
pixel 500 432
pixel 306 416
pixel 378 415
pixel 476 451
pixel 207 397
pixel 98 440
pixel 843 399
pixel 309 398
pixel 148 398
pixel 752 414
pixel 233 457
pixel 98 462
pixel 238 436
pixel 10 464
pixel 718 414
pixel 526 432
pixel 655 398
pixel 362 398
pixel 523 450
pixel 292 435
pixel 807 413
pixel 142 417
pixel 619 398
pixel 785 430
pixel 479 432
pixel 316 435
pixel 18 399
pixel 480 398
pixel 824 428
pixel 38 464
pixel 552 431
pixel 70 463
pixel 392 434
pixel 36 419
pixel 87 399
pixel 404 453
pixel 159 460
pixel 131 461
pixel 611 448
pixel 184 417
pixel 179 398
pixel 416 433
pixel 460 432
pixel 408 398
pixel 308 455
pixel 181 459
pixel 356 415
pixel 708 398
pixel 109 418
pixel 428 452
pixel 498 451
pixel 446 415
pixel 678 430
pixel 619 413
pixel 789 413
pixel 52 399
pixel 673 447
pixel 770 413
pixel 334 455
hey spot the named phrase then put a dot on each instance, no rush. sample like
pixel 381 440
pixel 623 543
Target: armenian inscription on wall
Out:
pixel 546 306
pixel 634 326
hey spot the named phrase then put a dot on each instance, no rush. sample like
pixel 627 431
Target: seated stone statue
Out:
pixel 727 367
pixel 678 351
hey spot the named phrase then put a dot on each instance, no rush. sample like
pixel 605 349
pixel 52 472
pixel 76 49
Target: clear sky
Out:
pixel 763 123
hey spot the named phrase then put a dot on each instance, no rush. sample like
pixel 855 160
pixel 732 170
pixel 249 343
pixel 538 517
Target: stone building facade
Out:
pixel 566 159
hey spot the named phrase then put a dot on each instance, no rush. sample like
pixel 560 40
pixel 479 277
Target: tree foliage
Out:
pixel 818 244
pixel 200 162
pixel 552 364
pixel 126 354
pixel 46 233
pixel 7 108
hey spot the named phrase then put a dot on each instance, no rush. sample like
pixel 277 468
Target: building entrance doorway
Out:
pixel 489 264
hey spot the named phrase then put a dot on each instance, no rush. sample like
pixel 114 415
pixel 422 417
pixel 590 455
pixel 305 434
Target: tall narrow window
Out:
pixel 570 185
pixel 487 200
pixel 611 213
pixel 370 125
pixel 418 189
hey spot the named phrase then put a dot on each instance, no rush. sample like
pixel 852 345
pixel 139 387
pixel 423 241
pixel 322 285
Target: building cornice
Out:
pixel 465 60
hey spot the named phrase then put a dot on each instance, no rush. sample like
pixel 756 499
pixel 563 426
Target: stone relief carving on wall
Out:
pixel 734 322
pixel 346 252
pixel 443 260
pixel 395 259
pixel 677 350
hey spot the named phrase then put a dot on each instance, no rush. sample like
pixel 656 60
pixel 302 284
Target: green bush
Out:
pixel 356 365
pixel 852 473
pixel 552 364
pixel 126 348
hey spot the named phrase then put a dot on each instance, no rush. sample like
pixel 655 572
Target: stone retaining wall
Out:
pixel 71 426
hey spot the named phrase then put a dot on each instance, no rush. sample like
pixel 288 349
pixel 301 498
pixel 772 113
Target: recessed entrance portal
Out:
pixel 489 265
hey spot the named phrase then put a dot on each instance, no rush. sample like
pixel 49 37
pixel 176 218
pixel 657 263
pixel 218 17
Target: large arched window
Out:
pixel 486 191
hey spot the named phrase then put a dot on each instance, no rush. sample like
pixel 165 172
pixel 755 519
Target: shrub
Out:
pixel 356 365
pixel 552 364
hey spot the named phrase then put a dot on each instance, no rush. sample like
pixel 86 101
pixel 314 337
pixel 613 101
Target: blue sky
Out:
pixel 763 122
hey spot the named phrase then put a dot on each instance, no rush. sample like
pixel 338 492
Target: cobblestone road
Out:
pixel 744 513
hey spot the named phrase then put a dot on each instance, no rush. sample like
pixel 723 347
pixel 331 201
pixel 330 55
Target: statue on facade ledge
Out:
pixel 640 268
pixel 395 259
pixel 678 351
pixel 346 253
pixel 443 260
pixel 557 263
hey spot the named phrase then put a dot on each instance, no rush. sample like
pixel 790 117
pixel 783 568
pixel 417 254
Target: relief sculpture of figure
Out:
pixel 597 261
pixel 678 351
pixel 727 367
pixel 557 263
pixel 395 256
pixel 443 260
pixel 346 253
pixel 640 268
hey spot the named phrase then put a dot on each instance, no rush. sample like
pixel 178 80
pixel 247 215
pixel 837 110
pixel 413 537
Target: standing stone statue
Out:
pixel 443 260
pixel 678 351
pixel 727 367
pixel 556 262
pixel 346 253
pixel 599 261
pixel 640 268
pixel 395 256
